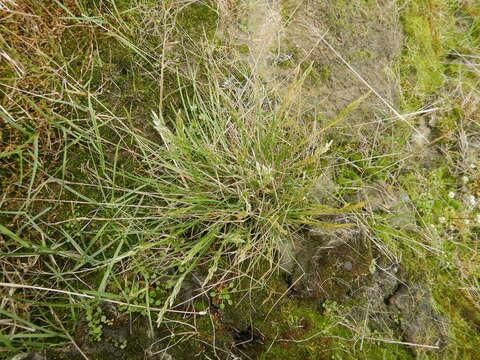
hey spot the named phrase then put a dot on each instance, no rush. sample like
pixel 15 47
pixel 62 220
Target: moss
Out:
pixel 199 19
pixel 320 72
pixel 459 311
pixel 287 9
pixel 426 66
pixel 299 330
pixel 243 49
pixel 432 31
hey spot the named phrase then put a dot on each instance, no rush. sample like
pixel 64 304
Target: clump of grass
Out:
pixel 220 181
pixel 209 181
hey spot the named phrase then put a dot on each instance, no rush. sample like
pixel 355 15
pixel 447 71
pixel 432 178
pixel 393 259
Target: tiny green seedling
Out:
pixel 96 322
pixel 119 344
pixel 223 297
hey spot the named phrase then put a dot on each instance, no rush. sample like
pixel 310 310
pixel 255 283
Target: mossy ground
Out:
pixel 438 68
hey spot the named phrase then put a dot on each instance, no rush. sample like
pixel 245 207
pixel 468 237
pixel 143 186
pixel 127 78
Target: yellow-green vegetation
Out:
pixel 439 68
pixel 141 169
pixel 96 320
pixel 306 334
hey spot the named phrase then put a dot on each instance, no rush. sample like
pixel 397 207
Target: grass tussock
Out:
pixel 206 179
pixel 138 151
